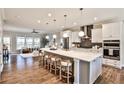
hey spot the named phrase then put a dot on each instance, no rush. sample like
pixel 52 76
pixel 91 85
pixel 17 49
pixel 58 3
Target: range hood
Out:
pixel 86 40
pixel 85 32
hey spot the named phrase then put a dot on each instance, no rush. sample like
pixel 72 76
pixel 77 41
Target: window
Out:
pixel 6 41
pixel 36 42
pixel 29 42
pixel 20 42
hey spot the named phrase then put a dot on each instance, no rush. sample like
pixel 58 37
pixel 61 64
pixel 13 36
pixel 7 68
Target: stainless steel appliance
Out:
pixel 111 49
pixel 66 43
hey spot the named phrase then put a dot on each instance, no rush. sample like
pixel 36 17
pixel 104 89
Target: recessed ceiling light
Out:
pixel 74 23
pixel 38 21
pixel 95 18
pixel 62 26
pixel 49 14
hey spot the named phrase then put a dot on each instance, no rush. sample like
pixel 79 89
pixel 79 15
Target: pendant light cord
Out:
pixel 65 18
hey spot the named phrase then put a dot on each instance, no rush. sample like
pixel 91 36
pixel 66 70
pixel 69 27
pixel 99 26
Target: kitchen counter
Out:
pixel 88 56
pixel 87 64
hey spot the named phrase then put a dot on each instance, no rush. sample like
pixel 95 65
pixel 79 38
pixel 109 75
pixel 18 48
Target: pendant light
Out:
pixel 54 36
pixel 81 9
pixel 54 21
pixel 83 33
pixel 65 18
pixel 65 35
pixel 47 37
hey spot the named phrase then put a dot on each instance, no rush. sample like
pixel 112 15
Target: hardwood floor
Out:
pixel 111 75
pixel 29 72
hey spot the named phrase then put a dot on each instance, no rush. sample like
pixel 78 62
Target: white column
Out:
pixel 76 71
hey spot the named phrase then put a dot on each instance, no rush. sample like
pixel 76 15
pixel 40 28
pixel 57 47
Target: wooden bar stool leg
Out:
pixel 45 64
pixel 43 61
pixel 55 68
pixel 50 67
pixel 60 73
pixel 68 74
pixel 1 75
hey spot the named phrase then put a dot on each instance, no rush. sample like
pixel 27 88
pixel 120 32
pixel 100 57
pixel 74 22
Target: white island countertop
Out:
pixel 87 63
pixel 81 55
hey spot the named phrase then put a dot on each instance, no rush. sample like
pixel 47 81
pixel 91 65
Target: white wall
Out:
pixel 13 36
pixel 122 44
pixel 1 30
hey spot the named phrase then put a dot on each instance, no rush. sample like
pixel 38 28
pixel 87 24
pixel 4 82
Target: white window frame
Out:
pixel 17 43
pixel 29 44
pixel 36 44
pixel 26 44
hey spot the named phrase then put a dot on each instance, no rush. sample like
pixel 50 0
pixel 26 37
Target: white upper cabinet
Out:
pixel 75 37
pixel 111 31
pixel 96 35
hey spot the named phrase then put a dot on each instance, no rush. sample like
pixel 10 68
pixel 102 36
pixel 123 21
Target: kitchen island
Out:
pixel 87 65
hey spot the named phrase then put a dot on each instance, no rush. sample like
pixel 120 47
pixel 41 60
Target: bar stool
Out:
pixel 55 64
pixel 46 61
pixel 65 67
pixel 41 59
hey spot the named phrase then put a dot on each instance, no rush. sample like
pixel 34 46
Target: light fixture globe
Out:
pixel 47 37
pixel 54 36
pixel 65 35
pixel 81 34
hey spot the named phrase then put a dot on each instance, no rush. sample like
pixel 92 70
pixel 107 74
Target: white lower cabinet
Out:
pixel 87 72
pixel 95 69
pixel 111 62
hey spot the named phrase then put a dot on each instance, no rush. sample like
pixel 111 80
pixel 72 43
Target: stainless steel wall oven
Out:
pixel 111 49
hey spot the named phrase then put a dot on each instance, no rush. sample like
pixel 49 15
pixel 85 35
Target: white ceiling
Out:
pixel 26 18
